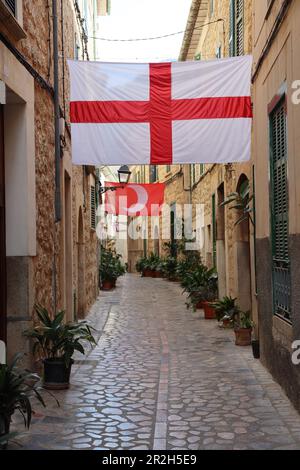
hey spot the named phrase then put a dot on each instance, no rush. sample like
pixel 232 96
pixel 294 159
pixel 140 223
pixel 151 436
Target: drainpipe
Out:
pixel 56 113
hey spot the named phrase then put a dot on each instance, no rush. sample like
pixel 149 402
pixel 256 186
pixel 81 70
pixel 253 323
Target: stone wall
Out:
pixel 47 280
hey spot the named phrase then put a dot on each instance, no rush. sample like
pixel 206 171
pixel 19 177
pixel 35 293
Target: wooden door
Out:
pixel 2 234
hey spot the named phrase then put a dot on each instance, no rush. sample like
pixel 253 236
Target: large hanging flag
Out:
pixel 135 199
pixel 183 112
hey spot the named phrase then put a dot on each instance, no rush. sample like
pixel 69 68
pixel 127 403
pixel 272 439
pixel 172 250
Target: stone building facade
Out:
pixel 222 29
pixel 276 156
pixel 45 258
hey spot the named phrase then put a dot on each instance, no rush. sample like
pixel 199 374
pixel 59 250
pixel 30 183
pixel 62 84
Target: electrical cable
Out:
pixel 155 37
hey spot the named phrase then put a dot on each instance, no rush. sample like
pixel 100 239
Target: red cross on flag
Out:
pixel 164 113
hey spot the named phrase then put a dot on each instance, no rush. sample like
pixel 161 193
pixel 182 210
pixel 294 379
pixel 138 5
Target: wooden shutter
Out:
pixel 214 230
pixel 239 27
pixel 11 4
pixel 280 212
pixel 232 28
pixel 153 173
pixel 93 207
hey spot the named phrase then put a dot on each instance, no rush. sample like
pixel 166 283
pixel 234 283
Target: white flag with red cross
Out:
pixel 161 113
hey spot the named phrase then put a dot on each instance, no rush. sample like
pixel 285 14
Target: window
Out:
pixel 12 6
pixel 153 173
pixel 93 207
pixel 198 56
pixel 212 7
pixel 202 169
pixel 168 168
pixel 236 28
pixel 280 212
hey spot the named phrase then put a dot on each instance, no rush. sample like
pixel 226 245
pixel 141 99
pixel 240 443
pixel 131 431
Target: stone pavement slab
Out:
pixel 162 377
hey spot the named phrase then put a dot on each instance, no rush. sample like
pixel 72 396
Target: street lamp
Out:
pixel 124 174
pixel 124 177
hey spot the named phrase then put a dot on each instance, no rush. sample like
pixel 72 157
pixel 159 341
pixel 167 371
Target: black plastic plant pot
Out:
pixel 255 349
pixel 56 374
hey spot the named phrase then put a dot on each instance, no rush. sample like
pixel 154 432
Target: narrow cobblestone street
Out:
pixel 162 377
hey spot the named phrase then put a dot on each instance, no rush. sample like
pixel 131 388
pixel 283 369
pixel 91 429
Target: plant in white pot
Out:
pixel 55 342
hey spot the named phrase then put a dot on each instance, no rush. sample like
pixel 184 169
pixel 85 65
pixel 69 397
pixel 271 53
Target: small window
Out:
pixel 93 207
pixel 168 168
pixel 198 56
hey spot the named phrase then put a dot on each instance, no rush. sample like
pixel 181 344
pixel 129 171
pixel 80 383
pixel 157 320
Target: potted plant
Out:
pixel 110 270
pixel 170 266
pixel 17 387
pixel 140 266
pixel 226 309
pixel 55 342
pixel 243 327
pixel 210 292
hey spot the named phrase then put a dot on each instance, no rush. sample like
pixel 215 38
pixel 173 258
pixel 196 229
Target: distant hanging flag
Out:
pixel 162 113
pixel 135 199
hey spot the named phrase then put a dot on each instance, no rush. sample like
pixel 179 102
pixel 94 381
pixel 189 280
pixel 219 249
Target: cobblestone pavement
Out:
pixel 162 377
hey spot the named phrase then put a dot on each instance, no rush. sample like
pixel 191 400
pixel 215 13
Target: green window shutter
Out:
pixel 239 27
pixel 214 230
pixel 153 174
pixel 280 213
pixel 93 207
pixel 232 28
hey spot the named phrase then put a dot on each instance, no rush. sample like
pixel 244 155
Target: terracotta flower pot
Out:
pixel 209 312
pixel 227 323
pixel 199 305
pixel 108 285
pixel 147 273
pixel 243 336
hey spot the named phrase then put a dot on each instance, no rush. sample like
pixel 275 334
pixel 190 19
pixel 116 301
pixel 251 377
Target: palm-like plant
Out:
pixel 55 339
pixel 17 387
pixel 226 308
pixel 200 285
pixel 241 201
pixel 111 267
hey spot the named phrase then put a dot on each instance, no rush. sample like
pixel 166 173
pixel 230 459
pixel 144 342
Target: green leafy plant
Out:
pixel 111 267
pixel 241 201
pixel 57 339
pixel 243 321
pixel 17 388
pixel 200 285
pixel 169 268
pixel 226 308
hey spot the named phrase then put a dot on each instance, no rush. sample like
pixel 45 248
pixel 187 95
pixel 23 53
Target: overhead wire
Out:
pixel 156 37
